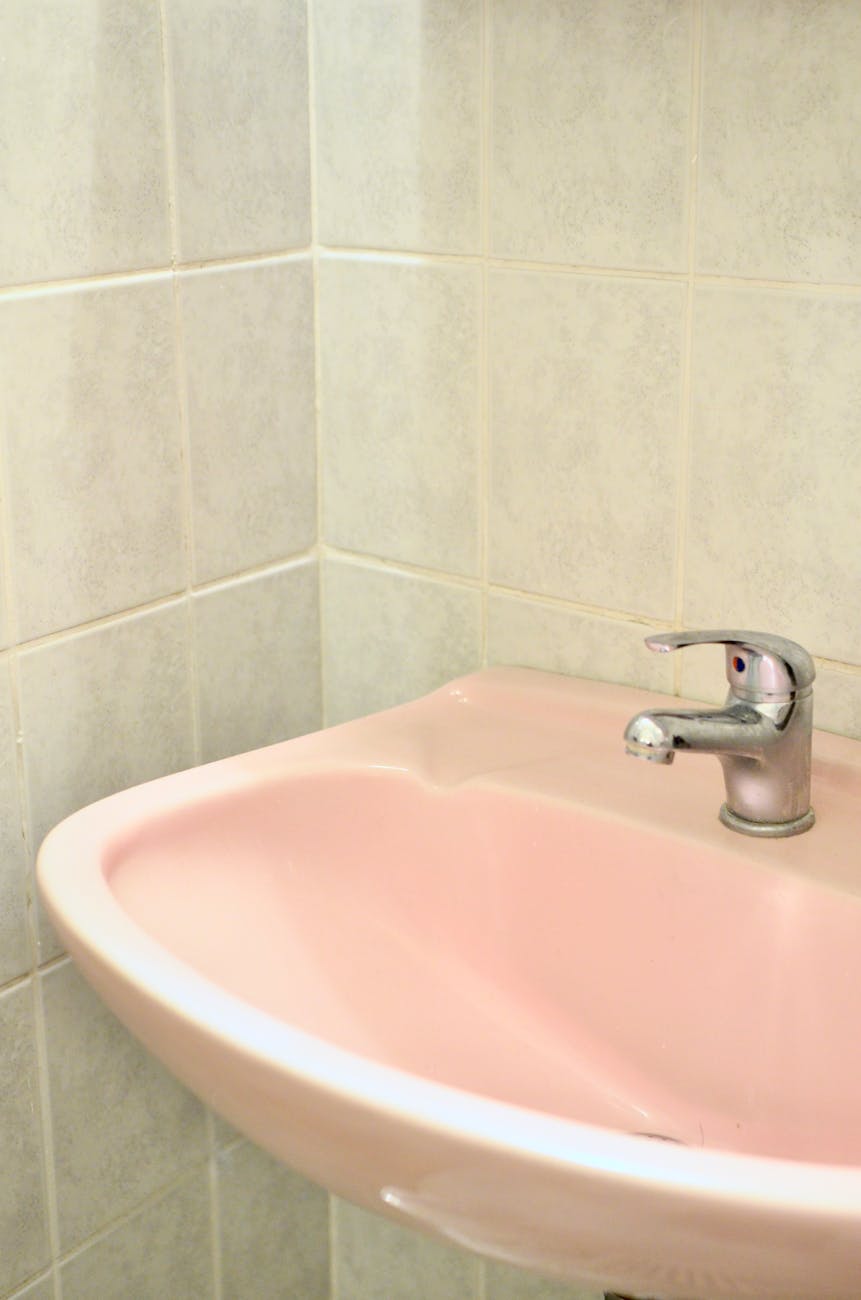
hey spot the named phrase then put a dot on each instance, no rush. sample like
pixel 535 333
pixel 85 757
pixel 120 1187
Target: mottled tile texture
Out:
pixel 575 351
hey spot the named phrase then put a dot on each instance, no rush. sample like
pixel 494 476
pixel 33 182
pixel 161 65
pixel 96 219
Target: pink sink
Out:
pixel 466 963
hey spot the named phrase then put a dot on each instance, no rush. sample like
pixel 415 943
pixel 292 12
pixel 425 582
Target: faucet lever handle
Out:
pixel 759 665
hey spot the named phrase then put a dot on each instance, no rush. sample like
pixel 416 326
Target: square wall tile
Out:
pixel 122 1126
pixel 375 1258
pixel 102 711
pixel 165 1250
pixel 399 410
pixel 774 532
pixel 240 92
pixel 532 634
pixel 837 701
pixel 274 1229
pixel 84 178
pixel 590 131
pixel 390 637
pixel 780 160
pixel 90 405
pixel 23 1226
pixel 585 398
pixel 257 646
pixel 14 941
pixel 398 103
pixel 249 351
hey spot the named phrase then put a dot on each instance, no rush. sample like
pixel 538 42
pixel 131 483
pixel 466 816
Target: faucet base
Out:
pixel 770 830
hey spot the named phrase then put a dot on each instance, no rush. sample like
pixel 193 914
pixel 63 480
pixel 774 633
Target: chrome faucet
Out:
pixel 761 736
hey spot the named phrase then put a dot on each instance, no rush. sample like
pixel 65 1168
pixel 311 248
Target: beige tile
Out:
pixel 240 91
pixel 375 1259
pixel 780 165
pixel 164 1250
pixel 274 1229
pixel 41 1289
pixel 249 348
pixel 101 711
pixel 590 131
pixel 556 639
pixel 14 942
pixel 837 701
pixel 122 1126
pixel 703 673
pixel 506 1283
pixel 399 410
pixel 585 384
pixel 398 123
pixel 258 660
pixel 774 532
pixel 82 139
pixel 23 1228
pixel 390 637
pixel 89 401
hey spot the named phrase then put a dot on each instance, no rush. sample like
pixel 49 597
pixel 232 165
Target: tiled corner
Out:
pixel 398 97
pixel 100 711
pixel 534 634
pixel 249 350
pixel 390 637
pixel 82 138
pixel 240 96
pixel 274 1229
pixel 399 410
pixel 590 132
pixel 90 406
pixel 773 542
pixel 257 648
pixel 780 168
pixel 502 1282
pixel 163 1250
pixel 585 397
pixel 122 1126
pixel 14 943
pixel 375 1258
pixel 23 1226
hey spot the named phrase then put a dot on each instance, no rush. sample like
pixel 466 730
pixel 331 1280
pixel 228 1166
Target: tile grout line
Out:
pixel 318 368
pixel 361 253
pixel 187 521
pixel 708 279
pixel 160 602
pixel 686 386
pixel 135 275
pixel 40 1041
pixel 180 361
pixel 52 1204
pixel 484 411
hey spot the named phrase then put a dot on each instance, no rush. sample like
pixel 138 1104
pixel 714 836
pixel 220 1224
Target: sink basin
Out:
pixel 467 964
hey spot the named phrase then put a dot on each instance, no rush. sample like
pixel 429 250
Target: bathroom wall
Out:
pixel 579 290
pixel 589 320
pixel 159 582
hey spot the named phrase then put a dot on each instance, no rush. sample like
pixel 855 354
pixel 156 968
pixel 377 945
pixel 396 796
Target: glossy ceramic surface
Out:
pixel 464 962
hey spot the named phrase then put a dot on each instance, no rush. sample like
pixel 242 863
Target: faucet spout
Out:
pixel 657 735
pixel 761 737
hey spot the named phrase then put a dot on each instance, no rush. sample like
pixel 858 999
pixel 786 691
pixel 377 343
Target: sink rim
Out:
pixel 98 930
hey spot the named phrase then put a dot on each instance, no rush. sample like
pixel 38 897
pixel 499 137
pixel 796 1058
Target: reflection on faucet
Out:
pixel 762 736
